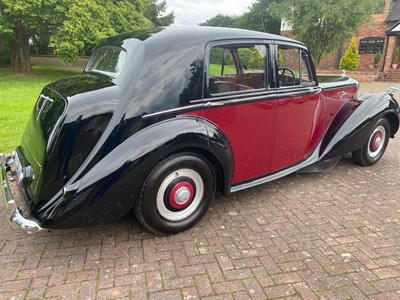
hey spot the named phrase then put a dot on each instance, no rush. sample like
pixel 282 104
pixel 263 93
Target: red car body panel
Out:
pixel 270 135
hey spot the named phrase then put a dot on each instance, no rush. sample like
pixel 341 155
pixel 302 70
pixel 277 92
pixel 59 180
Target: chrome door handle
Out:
pixel 214 104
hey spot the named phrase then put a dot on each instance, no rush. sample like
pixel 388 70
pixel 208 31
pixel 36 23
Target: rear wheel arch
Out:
pixel 222 182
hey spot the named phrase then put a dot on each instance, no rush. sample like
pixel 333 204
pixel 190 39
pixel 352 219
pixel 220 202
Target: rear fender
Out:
pixel 109 190
pixel 351 127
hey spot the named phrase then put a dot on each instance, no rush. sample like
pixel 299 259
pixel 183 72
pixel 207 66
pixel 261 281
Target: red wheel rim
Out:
pixel 181 195
pixel 376 141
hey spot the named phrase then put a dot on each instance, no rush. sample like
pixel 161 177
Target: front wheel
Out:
pixel 176 194
pixel 376 145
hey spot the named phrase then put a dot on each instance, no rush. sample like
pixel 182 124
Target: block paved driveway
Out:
pixel 332 235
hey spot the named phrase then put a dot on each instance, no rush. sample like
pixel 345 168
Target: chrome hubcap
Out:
pixel 376 141
pixel 182 195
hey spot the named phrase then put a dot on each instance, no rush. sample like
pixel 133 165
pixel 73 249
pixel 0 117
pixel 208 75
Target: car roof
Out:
pixel 192 34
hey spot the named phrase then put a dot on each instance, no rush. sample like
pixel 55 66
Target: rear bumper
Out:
pixel 15 212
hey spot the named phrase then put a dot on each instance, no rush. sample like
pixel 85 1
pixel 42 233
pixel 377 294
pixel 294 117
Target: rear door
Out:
pixel 241 103
pixel 300 106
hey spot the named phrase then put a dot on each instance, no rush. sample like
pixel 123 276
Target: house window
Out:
pixel 371 45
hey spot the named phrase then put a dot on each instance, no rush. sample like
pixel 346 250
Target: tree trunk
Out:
pixel 339 52
pixel 20 56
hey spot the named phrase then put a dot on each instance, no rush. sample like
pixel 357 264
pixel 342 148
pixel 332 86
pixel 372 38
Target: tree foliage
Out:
pixel 222 21
pixel 351 59
pixel 71 27
pixel 260 17
pixel 86 22
pixel 155 12
pixel 322 24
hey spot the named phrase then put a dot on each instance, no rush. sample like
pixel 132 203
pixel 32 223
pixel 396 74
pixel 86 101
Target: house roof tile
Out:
pixel 394 13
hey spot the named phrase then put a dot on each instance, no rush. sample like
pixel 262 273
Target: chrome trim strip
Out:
pixel 339 87
pixel 312 159
pixel 14 213
pixel 42 105
pixel 244 96
pixel 250 99
pixel 174 110
pixel 299 93
pixel 237 99
pixel 214 102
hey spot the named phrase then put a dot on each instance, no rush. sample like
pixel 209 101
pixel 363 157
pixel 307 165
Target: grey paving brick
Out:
pixel 332 235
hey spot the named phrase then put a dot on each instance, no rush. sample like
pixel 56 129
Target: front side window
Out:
pixel 108 61
pixel 371 45
pixel 237 68
pixel 293 67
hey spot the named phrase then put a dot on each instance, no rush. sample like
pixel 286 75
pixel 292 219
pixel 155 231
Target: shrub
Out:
pixel 351 59
pixel 256 62
pixel 280 58
pixel 377 58
pixel 396 55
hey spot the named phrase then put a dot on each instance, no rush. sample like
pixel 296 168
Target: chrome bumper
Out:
pixel 14 212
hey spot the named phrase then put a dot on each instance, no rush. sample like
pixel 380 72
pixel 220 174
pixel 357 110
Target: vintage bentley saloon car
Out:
pixel 161 119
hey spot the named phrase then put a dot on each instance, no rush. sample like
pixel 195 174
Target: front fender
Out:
pixel 351 127
pixel 109 190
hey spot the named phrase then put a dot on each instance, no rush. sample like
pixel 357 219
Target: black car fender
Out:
pixel 107 191
pixel 352 125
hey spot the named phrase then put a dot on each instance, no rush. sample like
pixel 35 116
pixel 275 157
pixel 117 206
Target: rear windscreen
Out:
pixel 108 61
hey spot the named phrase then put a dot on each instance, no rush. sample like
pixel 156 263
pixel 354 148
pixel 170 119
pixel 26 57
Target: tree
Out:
pixel 155 13
pixel 260 18
pixel 70 25
pixel 351 59
pixel 87 22
pixel 222 21
pixel 322 24
pixel 16 16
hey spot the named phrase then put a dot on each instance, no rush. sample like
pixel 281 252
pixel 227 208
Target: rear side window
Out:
pixel 108 61
pixel 234 68
pixel 293 67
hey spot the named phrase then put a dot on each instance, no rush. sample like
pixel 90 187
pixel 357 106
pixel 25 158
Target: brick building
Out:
pixel 382 35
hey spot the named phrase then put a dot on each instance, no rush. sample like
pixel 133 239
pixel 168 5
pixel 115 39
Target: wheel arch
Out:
pixel 394 123
pixel 116 181
pixel 222 181
pixel 351 126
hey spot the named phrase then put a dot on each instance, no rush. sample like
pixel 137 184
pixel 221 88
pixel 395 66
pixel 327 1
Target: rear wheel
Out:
pixel 376 145
pixel 176 194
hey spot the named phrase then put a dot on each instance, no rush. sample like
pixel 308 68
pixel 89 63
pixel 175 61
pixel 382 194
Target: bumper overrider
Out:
pixel 15 212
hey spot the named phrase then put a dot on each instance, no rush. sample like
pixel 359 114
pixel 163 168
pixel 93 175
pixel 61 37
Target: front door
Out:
pixel 300 108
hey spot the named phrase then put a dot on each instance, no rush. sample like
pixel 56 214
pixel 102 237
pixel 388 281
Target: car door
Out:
pixel 241 103
pixel 300 106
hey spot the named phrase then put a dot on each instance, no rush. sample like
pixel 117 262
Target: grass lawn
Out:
pixel 215 70
pixel 18 94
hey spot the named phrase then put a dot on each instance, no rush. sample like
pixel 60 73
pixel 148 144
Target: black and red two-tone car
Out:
pixel 160 119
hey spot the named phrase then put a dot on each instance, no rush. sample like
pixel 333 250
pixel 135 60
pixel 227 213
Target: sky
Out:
pixel 193 12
